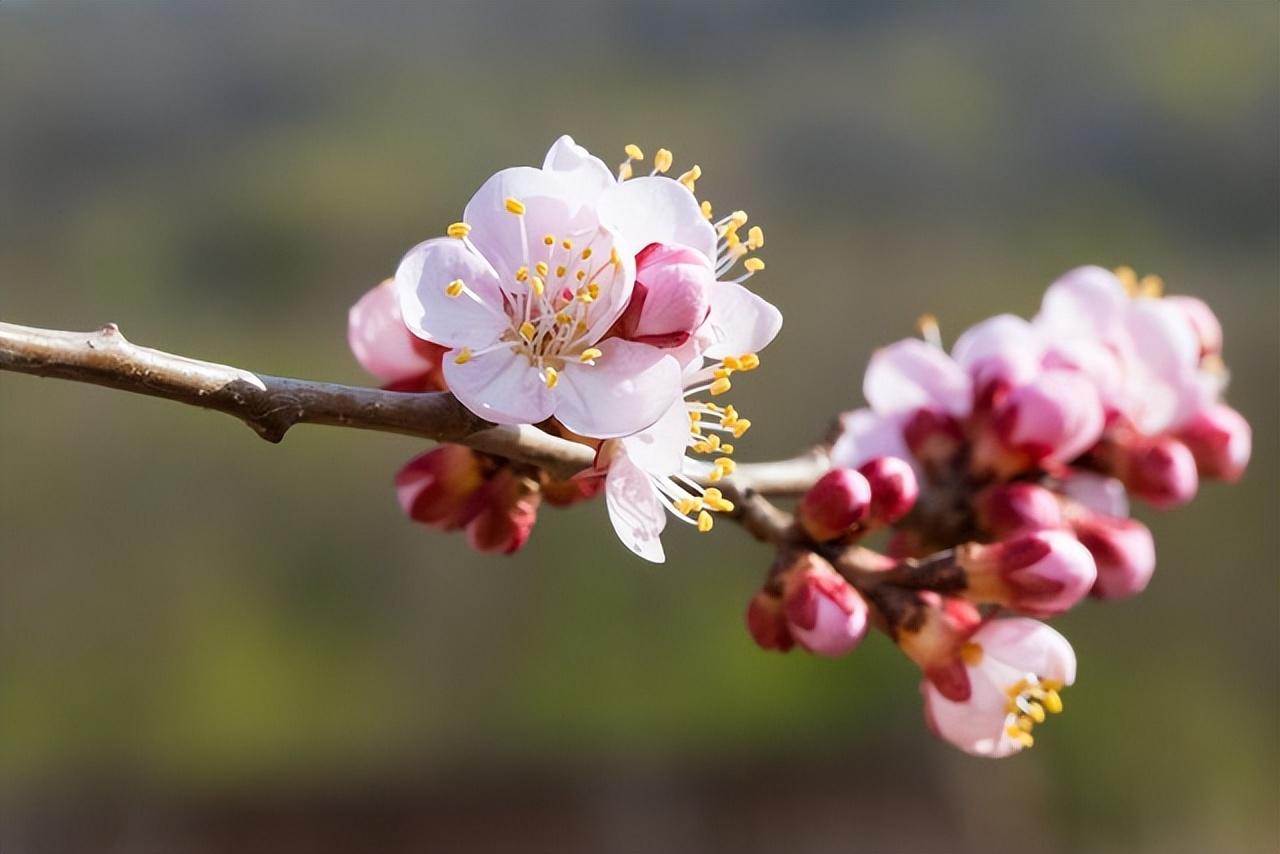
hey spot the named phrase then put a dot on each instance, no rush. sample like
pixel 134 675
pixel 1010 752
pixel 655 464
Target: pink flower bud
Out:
pixel 1055 417
pixel 825 614
pixel 504 511
pixel 670 297
pixel 1006 509
pixel 1220 440
pixel 436 488
pixel 1123 550
pixel 767 623
pixel 1160 470
pixel 838 501
pixel 385 347
pixel 1005 680
pixel 1204 323
pixel 894 488
pixel 1041 574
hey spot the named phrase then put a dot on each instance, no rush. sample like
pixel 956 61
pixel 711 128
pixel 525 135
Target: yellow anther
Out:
pixel 748 362
pixel 614 258
pixel 705 207
pixel 1151 286
pixel 549 240
pixel 580 275
pixel 567 244
pixel 1129 278
pixel 1036 712
pixel 732 240
pixel 732 363
pixel 625 172
pixel 514 205
pixel 586 253
pixel 594 290
pixel 737 220
pixel 740 426
pixel 753 265
pixel 722 373
pixel 590 354
pixel 537 285
pixel 580 327
pixel 1052 702
pixel 705 521
pixel 522 273
pixel 726 464
pixel 713 441
pixel 561 270
pixel 454 288
pixel 464 356
pixel 695 417
pixel 755 237
pixel 715 475
pixel 550 376
pixel 458 230
pixel 541 267
pixel 662 161
pixel 527 330
pixel 563 318
pixel 688 505
pixel 720 386
pixel 971 654
pixel 689 178
pixel 701 448
pixel 633 151
pixel 712 494
pixel 1024 723
pixel 726 448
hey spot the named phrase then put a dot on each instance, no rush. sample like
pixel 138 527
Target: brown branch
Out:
pixel 271 405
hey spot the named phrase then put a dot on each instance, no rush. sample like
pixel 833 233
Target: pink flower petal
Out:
pixel 430 313
pixel 379 339
pixel 1085 302
pixel 500 386
pixel 912 374
pixel 660 448
pixel 1003 348
pixel 738 322
pixel 657 210
pixel 865 436
pixel 628 388
pixel 634 509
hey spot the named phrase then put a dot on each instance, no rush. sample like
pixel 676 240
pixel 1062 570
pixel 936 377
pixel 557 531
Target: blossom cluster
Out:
pixel 596 305
pixel 1003 470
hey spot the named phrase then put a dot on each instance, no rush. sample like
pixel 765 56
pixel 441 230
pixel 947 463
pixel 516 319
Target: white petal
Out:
pixel 912 374
pixel 557 203
pixel 628 388
pixel 1003 347
pixel 657 210
pixel 1085 302
pixel 738 322
pixel 864 435
pixel 430 313
pixel 1102 494
pixel 1027 646
pixel 634 509
pixel 500 386
pixel 660 448
pixel 565 155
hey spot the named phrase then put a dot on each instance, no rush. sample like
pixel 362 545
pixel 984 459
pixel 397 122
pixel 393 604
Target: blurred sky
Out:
pixel 186 609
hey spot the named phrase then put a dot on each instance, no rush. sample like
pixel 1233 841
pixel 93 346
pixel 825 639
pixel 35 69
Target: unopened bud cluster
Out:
pixel 1003 470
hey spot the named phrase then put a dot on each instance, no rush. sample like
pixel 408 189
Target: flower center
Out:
pixel 1030 700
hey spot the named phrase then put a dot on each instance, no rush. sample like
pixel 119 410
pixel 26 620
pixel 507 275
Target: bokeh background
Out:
pixel 211 643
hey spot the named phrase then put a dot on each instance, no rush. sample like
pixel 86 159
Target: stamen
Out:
pixel 458 230
pixel 625 172
pixel 537 285
pixel 720 386
pixel 929 330
pixel 748 362
pixel 586 253
pixel 463 356
pixel 591 354
pixel 552 377
pixel 633 152
pixel 690 178
pixel 753 265
pixel 549 239
pixel 454 288
pixel 522 273
pixel 541 267
pixel 662 161
pixel 705 207
pixel 755 238
pixel 527 331
pixel 705 521
pixel 514 206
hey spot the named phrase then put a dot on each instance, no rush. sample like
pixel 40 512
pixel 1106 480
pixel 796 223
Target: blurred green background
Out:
pixel 208 642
